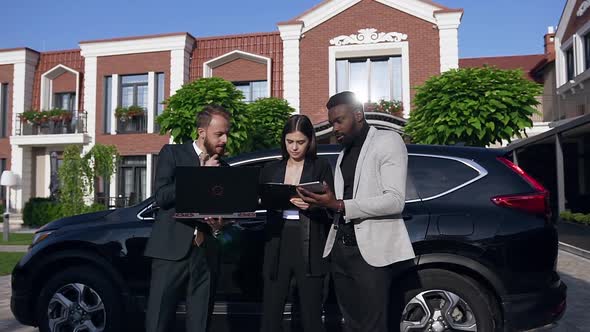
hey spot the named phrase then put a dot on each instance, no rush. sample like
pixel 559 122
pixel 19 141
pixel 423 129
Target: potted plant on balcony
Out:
pixel 60 118
pixel 32 117
pixel 393 107
pixel 128 113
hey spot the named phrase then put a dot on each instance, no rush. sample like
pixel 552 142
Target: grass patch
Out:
pixel 17 239
pixel 8 260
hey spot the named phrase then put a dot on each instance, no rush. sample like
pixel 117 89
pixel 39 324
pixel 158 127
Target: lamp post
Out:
pixel 53 180
pixel 7 180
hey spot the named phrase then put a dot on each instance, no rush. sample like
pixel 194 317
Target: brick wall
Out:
pixel 241 70
pixel 423 42
pixel 130 144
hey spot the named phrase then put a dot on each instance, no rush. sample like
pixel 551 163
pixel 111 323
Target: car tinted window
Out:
pixel 436 175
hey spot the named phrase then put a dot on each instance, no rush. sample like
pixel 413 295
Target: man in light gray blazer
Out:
pixel 369 234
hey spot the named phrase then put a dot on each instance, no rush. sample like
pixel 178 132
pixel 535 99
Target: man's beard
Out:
pixel 210 149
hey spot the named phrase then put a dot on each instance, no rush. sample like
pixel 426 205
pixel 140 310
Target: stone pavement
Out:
pixel 574 271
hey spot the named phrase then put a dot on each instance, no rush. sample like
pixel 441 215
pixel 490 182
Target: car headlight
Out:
pixel 40 236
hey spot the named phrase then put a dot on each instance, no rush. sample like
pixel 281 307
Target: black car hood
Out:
pixel 77 220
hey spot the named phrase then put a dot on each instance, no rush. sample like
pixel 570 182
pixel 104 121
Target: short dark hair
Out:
pixel 205 115
pixel 303 124
pixel 347 98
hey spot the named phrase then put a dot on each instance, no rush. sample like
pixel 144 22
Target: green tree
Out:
pixel 78 174
pixel 269 116
pixel 179 116
pixel 476 106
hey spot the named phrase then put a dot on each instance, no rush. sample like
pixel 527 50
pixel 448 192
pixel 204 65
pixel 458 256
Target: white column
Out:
pixel 148 174
pixel 179 69
pixel 151 107
pixel 90 85
pixel 22 99
pixel 560 174
pixel 448 30
pixel 291 34
pixel 114 102
pixel 113 186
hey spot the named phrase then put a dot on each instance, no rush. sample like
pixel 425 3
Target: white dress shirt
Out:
pixel 198 151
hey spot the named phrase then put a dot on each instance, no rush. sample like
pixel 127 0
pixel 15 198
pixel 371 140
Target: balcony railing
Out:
pixel 76 124
pixel 116 202
pixel 132 125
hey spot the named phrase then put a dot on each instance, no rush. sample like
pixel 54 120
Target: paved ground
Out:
pixel 574 270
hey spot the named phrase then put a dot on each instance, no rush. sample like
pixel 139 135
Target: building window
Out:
pixel 132 179
pixel 4 110
pixel 253 90
pixel 108 103
pixel 134 90
pixel 64 100
pixel 371 79
pixel 159 98
pixel 569 62
pixel 587 50
pixel 3 189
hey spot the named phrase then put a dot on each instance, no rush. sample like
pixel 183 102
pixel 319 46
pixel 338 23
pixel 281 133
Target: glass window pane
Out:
pixel 397 77
pixel 569 58
pixel 341 75
pixel 380 81
pixel 160 97
pixel 433 176
pixel 245 88
pixel 141 184
pixel 587 50
pixel 128 181
pixel 127 96
pixel 128 79
pixel 358 82
pixel 142 96
pixel 108 104
pixel 3 109
pixel 259 90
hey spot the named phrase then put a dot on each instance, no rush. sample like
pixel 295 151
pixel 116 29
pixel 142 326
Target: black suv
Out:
pixel 485 243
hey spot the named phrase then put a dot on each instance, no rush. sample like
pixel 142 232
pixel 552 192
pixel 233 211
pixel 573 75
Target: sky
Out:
pixel 488 28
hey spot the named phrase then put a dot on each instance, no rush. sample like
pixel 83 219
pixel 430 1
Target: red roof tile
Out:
pixel 525 62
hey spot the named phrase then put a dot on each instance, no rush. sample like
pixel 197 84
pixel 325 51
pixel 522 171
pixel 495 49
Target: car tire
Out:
pixel 79 296
pixel 460 300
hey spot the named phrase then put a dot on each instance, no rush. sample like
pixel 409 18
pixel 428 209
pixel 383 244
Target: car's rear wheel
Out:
pixel 79 299
pixel 440 300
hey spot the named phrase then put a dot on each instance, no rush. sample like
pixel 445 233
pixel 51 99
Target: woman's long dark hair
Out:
pixel 302 124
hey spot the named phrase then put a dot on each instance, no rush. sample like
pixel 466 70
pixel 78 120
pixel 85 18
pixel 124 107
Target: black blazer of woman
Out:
pixel 315 222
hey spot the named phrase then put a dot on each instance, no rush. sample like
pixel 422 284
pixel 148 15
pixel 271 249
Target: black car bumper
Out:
pixel 20 305
pixel 528 311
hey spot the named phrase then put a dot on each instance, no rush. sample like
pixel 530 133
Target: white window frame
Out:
pixel 47 78
pixel 210 65
pixel 373 50
pixel 368 62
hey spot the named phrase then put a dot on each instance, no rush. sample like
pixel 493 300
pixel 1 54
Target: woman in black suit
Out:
pixel 295 237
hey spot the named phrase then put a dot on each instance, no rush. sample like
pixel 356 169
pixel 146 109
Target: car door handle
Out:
pixel 407 216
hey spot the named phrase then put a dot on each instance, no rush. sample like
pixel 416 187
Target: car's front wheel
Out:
pixel 79 299
pixel 439 300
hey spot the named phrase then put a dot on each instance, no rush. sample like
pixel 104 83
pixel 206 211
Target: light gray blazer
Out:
pixel 378 200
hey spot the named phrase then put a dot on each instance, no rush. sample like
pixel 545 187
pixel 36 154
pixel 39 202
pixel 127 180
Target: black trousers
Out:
pixel 193 278
pixel 362 290
pixel 291 264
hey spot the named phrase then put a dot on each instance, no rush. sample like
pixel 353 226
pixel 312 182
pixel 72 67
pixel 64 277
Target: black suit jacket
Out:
pixel 314 222
pixel 171 239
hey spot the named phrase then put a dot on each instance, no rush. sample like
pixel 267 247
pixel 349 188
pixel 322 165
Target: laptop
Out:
pixel 227 192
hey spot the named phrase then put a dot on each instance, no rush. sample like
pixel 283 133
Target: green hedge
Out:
pixel 39 211
pixel 576 217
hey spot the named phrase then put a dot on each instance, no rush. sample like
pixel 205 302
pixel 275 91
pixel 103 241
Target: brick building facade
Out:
pixel 378 48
